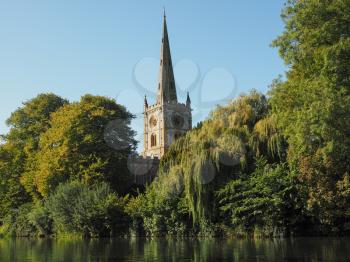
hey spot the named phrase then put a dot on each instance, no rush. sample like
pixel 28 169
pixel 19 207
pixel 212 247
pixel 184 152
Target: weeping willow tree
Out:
pixel 209 156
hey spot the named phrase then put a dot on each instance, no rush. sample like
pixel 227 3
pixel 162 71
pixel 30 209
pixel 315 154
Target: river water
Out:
pixel 140 249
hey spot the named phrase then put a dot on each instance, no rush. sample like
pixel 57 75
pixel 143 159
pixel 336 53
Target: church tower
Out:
pixel 167 119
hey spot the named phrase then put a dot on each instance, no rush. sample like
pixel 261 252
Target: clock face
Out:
pixel 153 121
pixel 177 121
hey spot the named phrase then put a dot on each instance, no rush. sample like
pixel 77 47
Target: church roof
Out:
pixel 166 82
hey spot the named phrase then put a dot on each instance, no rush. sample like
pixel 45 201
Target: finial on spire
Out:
pixel 164 15
pixel 188 100
pixel 146 103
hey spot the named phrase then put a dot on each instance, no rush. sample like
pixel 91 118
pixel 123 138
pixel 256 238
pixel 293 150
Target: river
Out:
pixel 141 249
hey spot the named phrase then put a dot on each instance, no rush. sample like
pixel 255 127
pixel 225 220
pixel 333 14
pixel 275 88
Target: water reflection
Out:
pixel 139 249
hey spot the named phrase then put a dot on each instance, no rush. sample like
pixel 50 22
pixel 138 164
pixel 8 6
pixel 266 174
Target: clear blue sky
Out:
pixel 219 49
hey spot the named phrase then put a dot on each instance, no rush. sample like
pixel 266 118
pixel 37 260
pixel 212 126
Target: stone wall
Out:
pixel 143 169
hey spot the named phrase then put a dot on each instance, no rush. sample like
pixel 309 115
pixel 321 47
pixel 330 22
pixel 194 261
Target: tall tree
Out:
pixel 88 141
pixel 313 104
pixel 26 124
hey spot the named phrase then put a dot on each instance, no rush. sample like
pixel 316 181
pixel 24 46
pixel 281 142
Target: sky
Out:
pixel 220 49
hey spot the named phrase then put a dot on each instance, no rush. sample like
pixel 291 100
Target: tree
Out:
pixel 312 105
pixel 12 193
pixel 271 199
pixel 20 144
pixel 88 141
pixel 30 121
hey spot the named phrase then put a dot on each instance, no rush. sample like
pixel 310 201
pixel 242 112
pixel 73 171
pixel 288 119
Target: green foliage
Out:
pixel 39 216
pixel 16 222
pixel 51 141
pixel 204 160
pixel 75 147
pixel 12 193
pixel 270 198
pixel 312 106
pixel 20 144
pixel 74 207
pixel 155 215
pixel 30 121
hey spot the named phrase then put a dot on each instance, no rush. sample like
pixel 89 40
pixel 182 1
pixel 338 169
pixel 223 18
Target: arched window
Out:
pixel 153 140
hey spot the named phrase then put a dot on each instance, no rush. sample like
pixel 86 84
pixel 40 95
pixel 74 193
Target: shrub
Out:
pixel 90 211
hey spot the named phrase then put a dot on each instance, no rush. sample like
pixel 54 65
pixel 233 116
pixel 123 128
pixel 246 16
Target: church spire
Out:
pixel 145 103
pixel 166 82
pixel 188 100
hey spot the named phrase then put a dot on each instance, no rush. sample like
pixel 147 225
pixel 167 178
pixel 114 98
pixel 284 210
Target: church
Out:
pixel 167 119
pixel 164 122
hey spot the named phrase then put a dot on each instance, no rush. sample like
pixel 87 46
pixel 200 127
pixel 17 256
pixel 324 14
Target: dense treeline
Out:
pixel 269 165
pixel 59 167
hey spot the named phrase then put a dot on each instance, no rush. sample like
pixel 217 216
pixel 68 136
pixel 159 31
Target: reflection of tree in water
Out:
pixel 161 249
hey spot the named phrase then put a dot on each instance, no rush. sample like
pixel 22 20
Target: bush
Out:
pixel 77 208
pixel 16 223
pixel 268 202
pixel 40 218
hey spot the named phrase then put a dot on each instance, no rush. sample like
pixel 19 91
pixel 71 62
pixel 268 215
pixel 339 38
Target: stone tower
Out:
pixel 167 119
